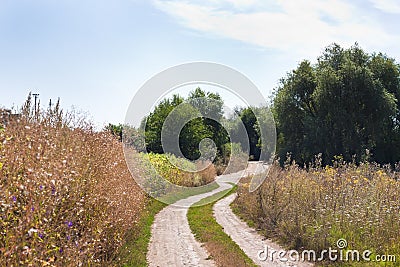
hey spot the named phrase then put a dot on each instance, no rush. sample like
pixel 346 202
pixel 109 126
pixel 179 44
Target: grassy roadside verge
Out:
pixel 240 213
pixel 223 250
pixel 313 209
pixel 133 253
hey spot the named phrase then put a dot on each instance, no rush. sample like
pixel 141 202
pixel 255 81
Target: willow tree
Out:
pixel 345 104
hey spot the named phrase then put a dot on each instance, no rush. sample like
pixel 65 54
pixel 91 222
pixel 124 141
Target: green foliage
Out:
pixel 115 130
pixel 231 148
pixel 172 168
pixel 249 120
pixel 212 110
pixel 343 105
pixel 258 126
pixel 153 123
pixel 199 114
pixel 166 169
pixel 133 138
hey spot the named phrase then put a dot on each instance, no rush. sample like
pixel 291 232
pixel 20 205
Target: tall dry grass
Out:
pixel 66 195
pixel 312 209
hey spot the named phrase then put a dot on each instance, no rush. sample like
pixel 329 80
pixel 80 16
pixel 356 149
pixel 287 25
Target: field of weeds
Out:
pixel 167 166
pixel 312 209
pixel 66 195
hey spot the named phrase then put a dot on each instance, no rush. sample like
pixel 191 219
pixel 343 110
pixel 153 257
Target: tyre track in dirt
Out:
pixel 247 238
pixel 172 243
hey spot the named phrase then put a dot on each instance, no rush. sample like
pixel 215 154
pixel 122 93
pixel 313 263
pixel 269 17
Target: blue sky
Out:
pixel 95 54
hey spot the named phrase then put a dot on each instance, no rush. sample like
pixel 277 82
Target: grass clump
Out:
pixel 220 246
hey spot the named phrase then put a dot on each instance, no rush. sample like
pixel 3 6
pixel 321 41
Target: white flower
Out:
pixel 32 230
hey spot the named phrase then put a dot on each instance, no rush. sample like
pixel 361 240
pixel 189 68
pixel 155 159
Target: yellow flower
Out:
pixel 380 173
pixel 330 171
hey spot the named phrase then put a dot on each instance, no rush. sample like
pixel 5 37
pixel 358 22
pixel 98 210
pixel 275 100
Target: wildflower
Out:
pixel 33 209
pixel 14 198
pixel 31 231
pixel 69 224
pixel 60 250
pixel 41 187
pixel 27 250
pixel 41 235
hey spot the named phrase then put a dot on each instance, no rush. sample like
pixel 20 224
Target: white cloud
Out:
pixel 239 4
pixel 303 27
pixel 388 6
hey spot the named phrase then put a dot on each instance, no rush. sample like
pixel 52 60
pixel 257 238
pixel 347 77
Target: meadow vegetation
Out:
pixel 312 208
pixel 169 166
pixel 67 197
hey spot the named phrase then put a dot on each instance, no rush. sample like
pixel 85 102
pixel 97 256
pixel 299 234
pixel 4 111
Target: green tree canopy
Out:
pixel 343 105
pixel 200 114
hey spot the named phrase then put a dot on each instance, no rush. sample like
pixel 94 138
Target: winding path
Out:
pixel 173 244
pixel 247 238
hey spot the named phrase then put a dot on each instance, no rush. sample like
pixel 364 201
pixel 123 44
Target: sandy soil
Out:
pixel 172 243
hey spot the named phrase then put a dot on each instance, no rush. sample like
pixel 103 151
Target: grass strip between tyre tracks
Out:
pixel 222 249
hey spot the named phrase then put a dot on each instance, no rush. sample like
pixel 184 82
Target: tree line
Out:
pixel 346 104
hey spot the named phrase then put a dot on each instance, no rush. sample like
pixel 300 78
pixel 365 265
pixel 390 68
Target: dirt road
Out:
pixel 172 243
pixel 247 238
